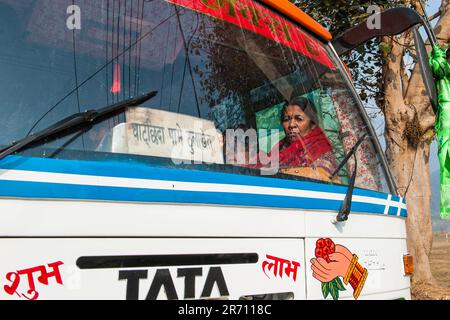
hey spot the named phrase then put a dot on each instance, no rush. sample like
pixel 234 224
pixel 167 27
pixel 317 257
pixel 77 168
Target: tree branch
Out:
pixel 434 16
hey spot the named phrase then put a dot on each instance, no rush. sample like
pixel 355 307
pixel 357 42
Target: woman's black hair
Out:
pixel 303 103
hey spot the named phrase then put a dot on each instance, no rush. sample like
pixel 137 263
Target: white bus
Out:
pixel 119 177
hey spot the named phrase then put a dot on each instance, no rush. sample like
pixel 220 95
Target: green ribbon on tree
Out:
pixel 441 70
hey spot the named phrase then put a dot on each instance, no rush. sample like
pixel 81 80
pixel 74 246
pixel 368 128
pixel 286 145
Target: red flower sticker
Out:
pixel 324 247
pixel 334 262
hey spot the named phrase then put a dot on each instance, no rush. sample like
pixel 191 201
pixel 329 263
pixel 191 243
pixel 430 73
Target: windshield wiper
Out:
pixel 74 123
pixel 346 205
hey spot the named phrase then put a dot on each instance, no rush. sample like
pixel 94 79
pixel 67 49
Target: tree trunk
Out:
pixel 407 155
pixel 409 132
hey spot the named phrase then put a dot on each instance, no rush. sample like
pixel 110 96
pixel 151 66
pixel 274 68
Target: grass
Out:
pixel 440 259
pixel 440 267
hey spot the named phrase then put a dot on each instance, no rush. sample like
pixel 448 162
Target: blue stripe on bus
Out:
pixel 403 213
pixel 39 190
pixel 393 211
pixel 139 170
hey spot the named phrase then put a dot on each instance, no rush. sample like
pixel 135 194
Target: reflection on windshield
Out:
pixel 283 100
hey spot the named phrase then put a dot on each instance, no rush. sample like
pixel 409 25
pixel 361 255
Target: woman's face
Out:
pixel 296 123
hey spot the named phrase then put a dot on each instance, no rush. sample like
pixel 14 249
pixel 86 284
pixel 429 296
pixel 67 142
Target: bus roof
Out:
pixel 288 9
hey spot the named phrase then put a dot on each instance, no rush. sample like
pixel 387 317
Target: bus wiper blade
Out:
pixel 74 123
pixel 346 205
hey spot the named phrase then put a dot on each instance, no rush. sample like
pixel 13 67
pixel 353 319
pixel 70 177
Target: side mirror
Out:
pixel 393 21
pixel 425 69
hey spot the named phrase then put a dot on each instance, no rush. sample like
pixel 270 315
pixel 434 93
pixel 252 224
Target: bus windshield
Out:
pixel 241 89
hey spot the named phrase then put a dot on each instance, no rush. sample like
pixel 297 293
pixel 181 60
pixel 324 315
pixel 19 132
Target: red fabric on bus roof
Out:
pixel 254 17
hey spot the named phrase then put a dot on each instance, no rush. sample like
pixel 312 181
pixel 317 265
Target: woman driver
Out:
pixel 306 150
